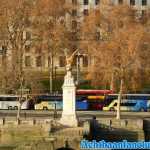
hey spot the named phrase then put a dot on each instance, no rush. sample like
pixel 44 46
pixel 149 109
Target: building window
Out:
pixel 28 36
pixel 132 2
pixel 144 2
pixel 74 12
pixel 143 13
pixel 86 12
pixel 38 50
pixel 74 24
pixel 38 61
pixel 85 61
pixel 27 61
pixel 74 2
pixel 120 2
pixel 97 2
pixel 62 61
pixel 3 49
pixel 27 22
pixel 97 35
pixel 86 2
pixel 27 48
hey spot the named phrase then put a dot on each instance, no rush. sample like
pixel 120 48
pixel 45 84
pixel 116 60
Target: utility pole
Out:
pixel 55 78
pixel 78 67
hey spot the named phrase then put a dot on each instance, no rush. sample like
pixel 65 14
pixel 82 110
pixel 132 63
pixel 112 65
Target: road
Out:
pixel 80 114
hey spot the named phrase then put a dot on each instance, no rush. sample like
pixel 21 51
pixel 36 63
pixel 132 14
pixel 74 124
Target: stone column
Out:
pixel 69 102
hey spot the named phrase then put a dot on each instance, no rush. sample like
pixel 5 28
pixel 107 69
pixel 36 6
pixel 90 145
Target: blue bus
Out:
pixel 129 102
pixel 127 105
pixel 47 102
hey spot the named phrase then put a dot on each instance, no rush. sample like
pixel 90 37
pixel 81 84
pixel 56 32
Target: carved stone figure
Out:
pixel 69 94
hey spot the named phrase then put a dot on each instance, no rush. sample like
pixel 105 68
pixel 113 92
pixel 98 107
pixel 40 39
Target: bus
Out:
pixel 96 102
pixel 95 98
pixel 48 102
pixel 130 96
pixel 129 102
pixel 93 92
pixel 127 105
pixel 11 102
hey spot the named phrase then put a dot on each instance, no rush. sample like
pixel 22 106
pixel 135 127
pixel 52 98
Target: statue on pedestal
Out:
pixel 69 94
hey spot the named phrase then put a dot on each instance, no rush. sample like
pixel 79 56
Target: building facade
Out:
pixel 35 60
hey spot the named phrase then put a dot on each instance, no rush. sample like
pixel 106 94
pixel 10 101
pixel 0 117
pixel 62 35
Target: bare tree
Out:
pixel 50 23
pixel 118 46
pixel 15 25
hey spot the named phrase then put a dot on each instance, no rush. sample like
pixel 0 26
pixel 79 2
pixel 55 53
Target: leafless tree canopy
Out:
pixel 115 40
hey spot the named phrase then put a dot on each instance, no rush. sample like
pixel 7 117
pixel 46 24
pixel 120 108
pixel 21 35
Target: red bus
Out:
pixel 93 92
pixel 95 98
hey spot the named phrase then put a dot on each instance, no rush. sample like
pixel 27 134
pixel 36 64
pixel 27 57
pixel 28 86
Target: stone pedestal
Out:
pixel 69 102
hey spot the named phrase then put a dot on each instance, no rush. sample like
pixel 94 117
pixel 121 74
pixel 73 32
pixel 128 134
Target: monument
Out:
pixel 69 117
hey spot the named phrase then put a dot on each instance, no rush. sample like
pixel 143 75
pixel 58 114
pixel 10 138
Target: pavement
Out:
pixel 80 114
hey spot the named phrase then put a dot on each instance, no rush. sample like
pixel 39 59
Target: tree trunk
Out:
pixel 50 81
pixel 112 82
pixel 4 76
pixel 21 83
pixel 19 109
pixel 20 98
pixel 51 74
pixel 119 99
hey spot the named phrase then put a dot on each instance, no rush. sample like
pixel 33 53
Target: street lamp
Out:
pixel 55 77
pixel 55 92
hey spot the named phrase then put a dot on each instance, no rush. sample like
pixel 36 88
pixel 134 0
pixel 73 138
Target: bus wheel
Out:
pixel 112 109
pixel 10 107
pixel 45 108
pixel 142 110
pixel 16 107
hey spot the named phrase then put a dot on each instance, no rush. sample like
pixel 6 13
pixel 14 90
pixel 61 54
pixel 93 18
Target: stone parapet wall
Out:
pixel 134 124
pixel 38 134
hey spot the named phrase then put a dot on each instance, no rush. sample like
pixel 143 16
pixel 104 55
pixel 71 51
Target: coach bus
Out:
pixel 96 102
pixel 95 98
pixel 47 102
pixel 129 102
pixel 129 96
pixel 93 92
pixel 128 105
pixel 11 102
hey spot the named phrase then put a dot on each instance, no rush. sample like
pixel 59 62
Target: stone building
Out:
pixel 36 61
pixel 32 60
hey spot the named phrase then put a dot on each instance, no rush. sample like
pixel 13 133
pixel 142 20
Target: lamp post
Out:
pixel 55 78
pixel 78 67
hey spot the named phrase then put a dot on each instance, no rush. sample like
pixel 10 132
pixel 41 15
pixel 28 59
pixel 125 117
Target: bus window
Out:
pixel 128 104
pixel 10 102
